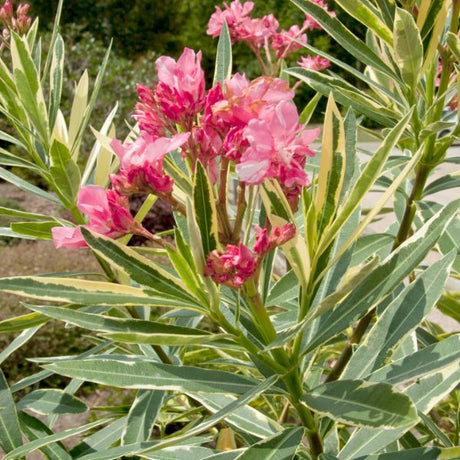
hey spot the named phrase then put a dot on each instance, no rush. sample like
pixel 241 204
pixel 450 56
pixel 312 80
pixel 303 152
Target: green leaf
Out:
pixel 65 173
pixel 89 108
pixel 79 105
pixel 384 278
pixel 423 453
pixel 285 289
pixel 101 440
pixel 425 393
pixel 56 76
pixel 429 360
pixel 138 268
pixel 23 185
pixel 449 305
pixel 400 318
pixel 10 433
pixel 344 37
pixel 443 183
pixel 34 429
pixel 368 245
pixel 246 418
pixel 332 166
pixel 129 372
pixel 453 41
pixel 368 17
pixel 262 388
pixel 408 47
pixel 36 230
pixel 22 322
pixel 205 209
pixel 223 68
pixel 22 214
pixel 282 446
pixel 28 83
pixel 345 95
pixel 51 439
pixel 85 292
pixel 142 416
pixel 362 185
pixel 124 329
pixel 50 401
pixel 20 340
pixel 309 109
pixel 360 403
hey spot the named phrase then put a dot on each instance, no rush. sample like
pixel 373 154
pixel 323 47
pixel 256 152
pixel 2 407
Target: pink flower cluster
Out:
pixel 261 32
pixel 20 24
pixel 237 264
pixel 314 63
pixel 254 124
pixel 256 32
pixel 108 214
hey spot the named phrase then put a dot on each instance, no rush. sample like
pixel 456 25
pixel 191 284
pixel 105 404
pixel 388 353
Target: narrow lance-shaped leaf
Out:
pixel 223 68
pixel 363 404
pixel 101 440
pixel 127 330
pixel 408 48
pixel 56 77
pixel 140 373
pixel 142 416
pixel 344 37
pixel 10 433
pixel 205 209
pixel 384 278
pixel 368 17
pixel 332 166
pixel 425 393
pixel 400 318
pixel 47 440
pixel 51 401
pixel 138 268
pixel 86 292
pixel 429 360
pixel 282 446
pixel 65 173
pixel 365 181
pixel 34 429
pixel 246 418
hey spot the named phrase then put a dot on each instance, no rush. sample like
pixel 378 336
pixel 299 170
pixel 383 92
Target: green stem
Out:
pixel 240 210
pixel 294 386
pixel 222 213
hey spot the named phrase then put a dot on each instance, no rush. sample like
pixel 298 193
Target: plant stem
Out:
pixel 222 213
pixel 240 210
pixel 294 386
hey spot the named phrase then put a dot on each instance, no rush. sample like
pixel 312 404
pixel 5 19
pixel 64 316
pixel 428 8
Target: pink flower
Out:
pixel 311 23
pixel 256 31
pixel 314 63
pixel 180 92
pixel 283 43
pixel 234 15
pixel 244 100
pixel 232 267
pixel 278 236
pixel 107 212
pixel 278 146
pixel 148 113
pixel 6 12
pixel 141 164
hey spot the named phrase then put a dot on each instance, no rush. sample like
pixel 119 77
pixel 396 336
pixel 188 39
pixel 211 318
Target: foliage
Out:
pixel 332 358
